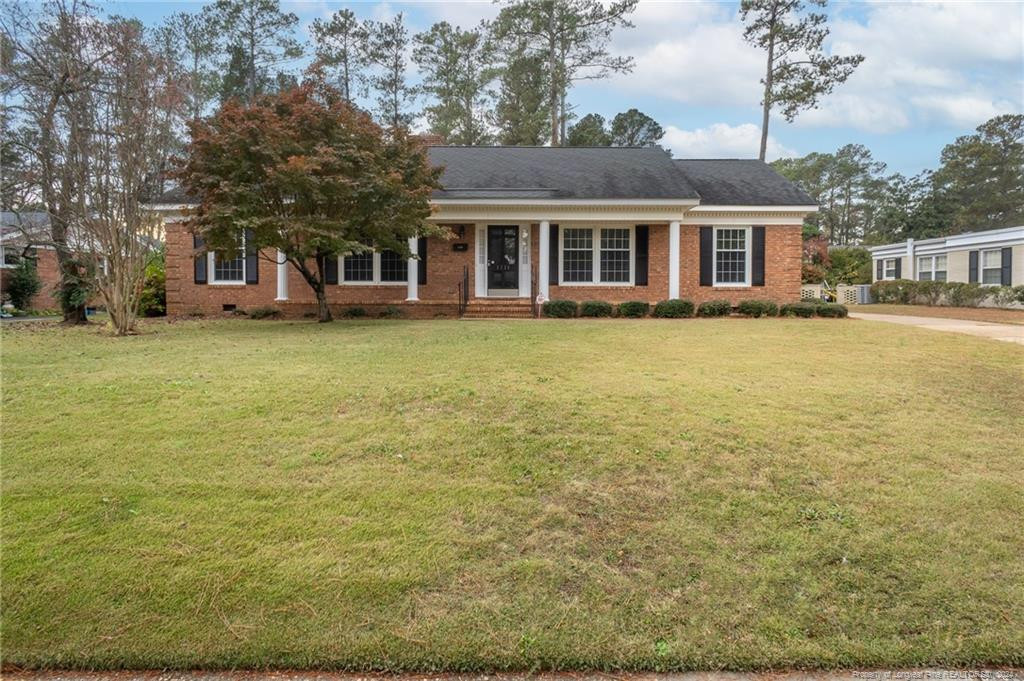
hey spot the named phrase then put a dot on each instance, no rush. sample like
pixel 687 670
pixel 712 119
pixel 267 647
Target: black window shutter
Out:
pixel 880 270
pixel 899 268
pixel 642 239
pixel 331 269
pixel 972 268
pixel 1007 273
pixel 707 271
pixel 421 252
pixel 252 260
pixel 199 260
pixel 553 256
pixel 757 257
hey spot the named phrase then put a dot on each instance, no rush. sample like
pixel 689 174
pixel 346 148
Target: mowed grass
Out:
pixel 689 494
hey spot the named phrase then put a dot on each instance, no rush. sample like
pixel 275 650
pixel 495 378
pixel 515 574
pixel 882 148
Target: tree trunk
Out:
pixel 553 88
pixel 323 313
pixel 766 103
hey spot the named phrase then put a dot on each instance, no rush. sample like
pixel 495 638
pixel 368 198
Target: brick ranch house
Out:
pixel 26 235
pixel 584 223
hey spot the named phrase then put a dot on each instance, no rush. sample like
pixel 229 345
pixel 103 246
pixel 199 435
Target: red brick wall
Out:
pixel 438 296
pixel 46 266
pixel 782 257
pixel 445 267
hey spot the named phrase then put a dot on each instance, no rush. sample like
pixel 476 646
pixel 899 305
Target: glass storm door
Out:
pixel 503 258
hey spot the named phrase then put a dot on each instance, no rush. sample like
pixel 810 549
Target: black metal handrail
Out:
pixel 533 295
pixel 464 290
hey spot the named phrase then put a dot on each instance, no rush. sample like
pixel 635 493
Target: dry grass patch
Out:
pixel 512 495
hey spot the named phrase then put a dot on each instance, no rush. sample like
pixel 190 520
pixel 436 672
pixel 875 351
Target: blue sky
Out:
pixel 932 71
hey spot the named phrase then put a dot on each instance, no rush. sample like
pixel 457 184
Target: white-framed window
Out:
pixel 9 256
pixel 732 256
pixel 889 268
pixel 931 268
pixel 992 267
pixel 228 267
pixel 373 267
pixel 596 256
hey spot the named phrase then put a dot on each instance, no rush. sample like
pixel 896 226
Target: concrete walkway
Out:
pixel 1009 333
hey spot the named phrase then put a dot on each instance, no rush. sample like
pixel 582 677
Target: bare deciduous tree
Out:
pixel 131 116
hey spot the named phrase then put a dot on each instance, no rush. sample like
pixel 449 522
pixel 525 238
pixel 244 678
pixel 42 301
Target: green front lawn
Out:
pixel 483 495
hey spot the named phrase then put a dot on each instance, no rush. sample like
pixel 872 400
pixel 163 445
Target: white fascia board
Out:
pixel 565 203
pixel 1010 235
pixel 706 208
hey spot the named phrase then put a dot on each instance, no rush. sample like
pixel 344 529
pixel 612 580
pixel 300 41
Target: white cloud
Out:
pixel 952 63
pixel 722 140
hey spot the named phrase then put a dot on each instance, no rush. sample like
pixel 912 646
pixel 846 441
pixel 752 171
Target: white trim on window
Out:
pixel 997 268
pixel 747 234
pixel 376 280
pixel 928 267
pixel 888 264
pixel 4 250
pixel 595 262
pixel 211 268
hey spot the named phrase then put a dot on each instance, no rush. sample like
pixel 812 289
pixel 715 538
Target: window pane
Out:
pixel 992 259
pixel 940 262
pixel 393 267
pixel 615 255
pixel 359 267
pixel 992 276
pixel 11 256
pixel 578 255
pixel 731 267
pixel 732 239
pixel 940 275
pixel 731 256
pixel 227 269
pixel 924 276
pixel 924 264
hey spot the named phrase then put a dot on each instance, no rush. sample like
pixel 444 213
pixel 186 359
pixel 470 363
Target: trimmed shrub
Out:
pixel 562 309
pixel 354 312
pixel 634 308
pixel 1003 296
pixel 801 309
pixel 894 291
pixel 264 313
pixel 1019 293
pixel 674 309
pixel 930 292
pixel 963 294
pixel 153 299
pixel 714 308
pixel 23 283
pixel 595 308
pixel 757 308
pixel 832 310
pixel 391 312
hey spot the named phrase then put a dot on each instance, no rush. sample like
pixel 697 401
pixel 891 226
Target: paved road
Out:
pixel 869 675
pixel 1010 333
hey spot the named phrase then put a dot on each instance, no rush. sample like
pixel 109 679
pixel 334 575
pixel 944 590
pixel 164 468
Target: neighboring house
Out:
pixel 27 235
pixel 606 223
pixel 994 258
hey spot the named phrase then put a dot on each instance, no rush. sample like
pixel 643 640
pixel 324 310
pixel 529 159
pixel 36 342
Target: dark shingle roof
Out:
pixel 600 173
pixel 741 182
pixel 559 173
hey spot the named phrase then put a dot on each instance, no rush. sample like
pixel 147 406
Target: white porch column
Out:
pixel 282 277
pixel 544 262
pixel 673 259
pixel 911 272
pixel 414 272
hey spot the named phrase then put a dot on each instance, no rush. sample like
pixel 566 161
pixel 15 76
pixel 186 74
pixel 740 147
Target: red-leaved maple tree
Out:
pixel 304 172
